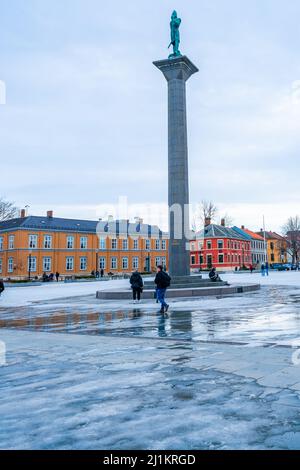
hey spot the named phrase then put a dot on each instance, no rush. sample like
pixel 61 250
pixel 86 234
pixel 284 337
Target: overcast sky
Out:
pixel 86 114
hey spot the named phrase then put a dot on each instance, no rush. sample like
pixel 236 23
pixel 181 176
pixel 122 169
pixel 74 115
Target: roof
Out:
pixel 37 223
pixel 251 234
pixel 218 231
pixel 271 235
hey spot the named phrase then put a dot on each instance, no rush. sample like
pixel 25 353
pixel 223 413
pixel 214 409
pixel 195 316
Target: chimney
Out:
pixel 23 213
pixel 50 214
pixel 223 222
pixel 207 221
pixel 243 227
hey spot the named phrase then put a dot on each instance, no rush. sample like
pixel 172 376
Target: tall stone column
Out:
pixel 177 71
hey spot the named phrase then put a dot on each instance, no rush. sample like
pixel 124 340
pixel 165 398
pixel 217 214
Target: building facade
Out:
pixel 258 246
pixel 276 247
pixel 220 247
pixel 31 246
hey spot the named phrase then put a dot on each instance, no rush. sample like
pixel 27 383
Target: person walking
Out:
pixel 251 267
pixel 137 285
pixel 162 281
pixel 102 273
pixel 262 270
pixel 267 268
pixel 57 276
pixel 2 288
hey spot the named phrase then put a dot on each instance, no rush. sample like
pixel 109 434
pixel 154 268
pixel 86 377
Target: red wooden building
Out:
pixel 220 247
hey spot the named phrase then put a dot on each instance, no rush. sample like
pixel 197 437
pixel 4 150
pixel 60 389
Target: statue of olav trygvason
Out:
pixel 175 35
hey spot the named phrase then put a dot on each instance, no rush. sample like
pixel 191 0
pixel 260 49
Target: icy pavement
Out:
pixel 217 374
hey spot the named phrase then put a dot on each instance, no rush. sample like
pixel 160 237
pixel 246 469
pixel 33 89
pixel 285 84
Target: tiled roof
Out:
pixel 271 235
pixel 75 225
pixel 253 235
pixel 218 231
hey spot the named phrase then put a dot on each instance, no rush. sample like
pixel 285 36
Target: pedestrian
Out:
pixel 262 270
pixel 97 274
pixel 137 285
pixel 251 268
pixel 2 288
pixel 213 276
pixel 162 281
pixel 45 277
pixel 102 273
pixel 267 268
pixel 57 276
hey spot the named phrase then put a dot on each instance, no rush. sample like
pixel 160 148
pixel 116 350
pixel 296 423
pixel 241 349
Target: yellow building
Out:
pixel 276 247
pixel 31 246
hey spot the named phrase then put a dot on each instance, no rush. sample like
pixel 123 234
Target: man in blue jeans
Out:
pixel 162 281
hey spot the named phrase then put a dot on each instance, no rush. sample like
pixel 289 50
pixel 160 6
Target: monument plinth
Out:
pixel 177 71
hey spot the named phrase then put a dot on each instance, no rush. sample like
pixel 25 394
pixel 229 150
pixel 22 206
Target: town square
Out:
pixel 149 229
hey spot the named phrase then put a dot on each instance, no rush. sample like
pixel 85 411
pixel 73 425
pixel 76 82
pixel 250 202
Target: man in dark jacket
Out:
pixel 162 281
pixel 213 276
pixel 137 285
pixel 1 286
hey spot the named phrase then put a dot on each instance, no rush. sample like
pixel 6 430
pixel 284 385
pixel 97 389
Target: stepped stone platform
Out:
pixel 186 286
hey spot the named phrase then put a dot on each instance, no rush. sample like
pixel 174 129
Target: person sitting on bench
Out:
pixel 213 276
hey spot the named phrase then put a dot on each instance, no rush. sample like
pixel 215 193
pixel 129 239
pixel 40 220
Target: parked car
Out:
pixel 280 266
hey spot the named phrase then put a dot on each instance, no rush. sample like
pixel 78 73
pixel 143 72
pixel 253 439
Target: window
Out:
pixel 83 243
pixel 114 244
pixel 201 259
pixel 135 244
pixel 193 259
pixel 272 257
pixel 69 263
pixel 10 265
pixel 157 261
pixel 125 244
pixel 47 241
pixel 70 243
pixel 33 241
pixel 124 263
pixel 208 244
pixel 102 263
pixel 102 243
pixel 1 243
pixel 83 263
pixel 31 264
pixel 193 246
pixel 47 264
pixel 200 245
pixel 164 261
pixel 164 244
pixel 272 246
pixel 11 242
pixel 113 263
pixel 135 262
pixel 0 265
pixel 157 244
pixel 147 244
pixel 221 259
pixel 220 244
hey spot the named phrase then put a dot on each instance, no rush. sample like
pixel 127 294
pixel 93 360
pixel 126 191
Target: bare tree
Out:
pixel 7 210
pixel 208 211
pixel 291 230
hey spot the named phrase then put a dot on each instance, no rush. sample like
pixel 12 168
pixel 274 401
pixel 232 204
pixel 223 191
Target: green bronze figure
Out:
pixel 175 35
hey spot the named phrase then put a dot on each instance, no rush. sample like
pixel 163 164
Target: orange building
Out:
pixel 31 245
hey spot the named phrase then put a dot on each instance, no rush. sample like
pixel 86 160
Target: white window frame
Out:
pixel 102 262
pixel 69 263
pixel 114 262
pixel 47 264
pixel 193 257
pixel 47 242
pixel 70 242
pixel 208 244
pixel 157 261
pixel 148 244
pixel 135 244
pixel 125 244
pixel 135 262
pixel 114 244
pixel 157 244
pixel 32 242
pixel 10 265
pixel 32 264
pixel 164 245
pixel 11 242
pixel 164 261
pixel 125 263
pixel 83 263
pixel 220 242
pixel 83 243
pixel 219 255
pixel 102 243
